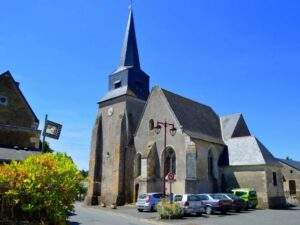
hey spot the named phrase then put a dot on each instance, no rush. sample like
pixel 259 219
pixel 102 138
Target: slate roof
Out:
pixel 291 163
pixel 234 125
pixel 9 154
pixel 197 120
pixel 7 73
pixel 117 92
pixel 248 151
pixel 130 54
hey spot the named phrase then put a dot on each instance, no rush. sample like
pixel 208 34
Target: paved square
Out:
pixel 128 215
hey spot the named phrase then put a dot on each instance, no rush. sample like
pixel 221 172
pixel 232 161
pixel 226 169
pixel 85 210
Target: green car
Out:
pixel 247 194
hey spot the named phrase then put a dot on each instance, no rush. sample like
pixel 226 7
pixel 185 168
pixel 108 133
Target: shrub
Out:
pixel 169 210
pixel 41 188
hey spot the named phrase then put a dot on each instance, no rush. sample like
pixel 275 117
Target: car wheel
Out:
pixel 209 210
pixel 238 210
pixel 199 214
pixel 223 212
pixel 152 209
pixel 140 210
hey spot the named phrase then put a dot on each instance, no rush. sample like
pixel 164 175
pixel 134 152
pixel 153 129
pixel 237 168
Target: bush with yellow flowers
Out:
pixel 169 210
pixel 40 189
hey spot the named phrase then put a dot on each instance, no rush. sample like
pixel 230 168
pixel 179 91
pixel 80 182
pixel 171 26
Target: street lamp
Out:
pixel 172 131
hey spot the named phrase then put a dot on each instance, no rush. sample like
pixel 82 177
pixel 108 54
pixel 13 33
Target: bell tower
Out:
pixel 112 147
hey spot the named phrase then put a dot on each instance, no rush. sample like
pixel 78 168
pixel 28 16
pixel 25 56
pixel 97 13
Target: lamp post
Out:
pixel 172 131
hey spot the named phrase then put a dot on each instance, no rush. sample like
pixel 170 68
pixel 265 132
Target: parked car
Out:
pixel 247 194
pixel 190 203
pixel 148 201
pixel 237 204
pixel 215 203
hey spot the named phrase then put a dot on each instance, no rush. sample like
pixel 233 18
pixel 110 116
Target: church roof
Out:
pixel 291 163
pixel 129 53
pixel 9 154
pixel 248 151
pixel 234 125
pixel 16 84
pixel 117 92
pixel 197 120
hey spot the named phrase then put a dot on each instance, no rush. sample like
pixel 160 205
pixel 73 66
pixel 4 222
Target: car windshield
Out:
pixel 219 196
pixel 143 196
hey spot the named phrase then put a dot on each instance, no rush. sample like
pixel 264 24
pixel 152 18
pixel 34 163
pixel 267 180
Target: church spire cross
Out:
pixel 129 53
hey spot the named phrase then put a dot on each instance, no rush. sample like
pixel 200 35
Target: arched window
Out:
pixel 169 161
pixel 138 164
pixel 210 164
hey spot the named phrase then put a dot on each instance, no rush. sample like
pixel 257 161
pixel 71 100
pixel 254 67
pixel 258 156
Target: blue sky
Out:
pixel 236 56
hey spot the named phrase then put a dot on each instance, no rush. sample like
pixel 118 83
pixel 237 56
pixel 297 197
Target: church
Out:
pixel 139 136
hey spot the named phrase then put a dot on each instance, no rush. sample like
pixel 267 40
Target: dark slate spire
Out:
pixel 130 54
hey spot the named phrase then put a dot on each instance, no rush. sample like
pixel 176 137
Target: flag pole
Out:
pixel 44 133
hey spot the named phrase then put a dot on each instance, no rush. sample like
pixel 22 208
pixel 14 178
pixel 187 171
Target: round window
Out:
pixel 3 100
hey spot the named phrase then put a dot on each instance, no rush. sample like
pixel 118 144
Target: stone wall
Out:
pixel 157 110
pixel 18 125
pixel 15 113
pixel 289 174
pixel 258 177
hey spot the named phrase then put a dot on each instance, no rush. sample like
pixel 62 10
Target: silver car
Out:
pixel 190 203
pixel 148 201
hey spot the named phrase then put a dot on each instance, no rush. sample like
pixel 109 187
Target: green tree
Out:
pixel 42 188
pixel 47 148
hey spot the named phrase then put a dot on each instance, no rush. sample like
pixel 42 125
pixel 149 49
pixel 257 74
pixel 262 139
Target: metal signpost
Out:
pixel 171 177
pixel 172 131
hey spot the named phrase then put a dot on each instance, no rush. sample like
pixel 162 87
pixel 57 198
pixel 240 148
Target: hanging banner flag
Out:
pixel 52 129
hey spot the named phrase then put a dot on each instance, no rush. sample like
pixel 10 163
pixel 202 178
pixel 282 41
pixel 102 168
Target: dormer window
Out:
pixel 117 84
pixel 3 100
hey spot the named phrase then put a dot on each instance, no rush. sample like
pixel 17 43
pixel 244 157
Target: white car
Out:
pixel 190 203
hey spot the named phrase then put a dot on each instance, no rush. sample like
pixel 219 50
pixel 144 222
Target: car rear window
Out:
pixel 252 194
pixel 203 197
pixel 219 197
pixel 240 193
pixel 143 196
pixel 178 198
pixel 232 196
pixel 193 198
pixel 158 195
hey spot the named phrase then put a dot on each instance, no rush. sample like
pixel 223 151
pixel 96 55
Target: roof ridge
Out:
pixel 191 100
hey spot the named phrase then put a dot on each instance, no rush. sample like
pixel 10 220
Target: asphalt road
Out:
pixel 97 216
pixel 128 215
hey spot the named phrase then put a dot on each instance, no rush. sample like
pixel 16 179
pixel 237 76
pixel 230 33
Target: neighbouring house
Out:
pixel 291 181
pixel 208 153
pixel 19 134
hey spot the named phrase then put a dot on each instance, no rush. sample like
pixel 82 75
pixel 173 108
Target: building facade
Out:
pixel 131 152
pixel 291 180
pixel 19 134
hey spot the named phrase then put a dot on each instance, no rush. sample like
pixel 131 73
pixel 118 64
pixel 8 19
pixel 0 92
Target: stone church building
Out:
pixel 140 136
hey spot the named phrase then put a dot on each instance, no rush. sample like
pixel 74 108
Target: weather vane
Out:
pixel 131 4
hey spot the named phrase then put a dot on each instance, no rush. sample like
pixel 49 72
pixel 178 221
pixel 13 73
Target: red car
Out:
pixel 238 204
